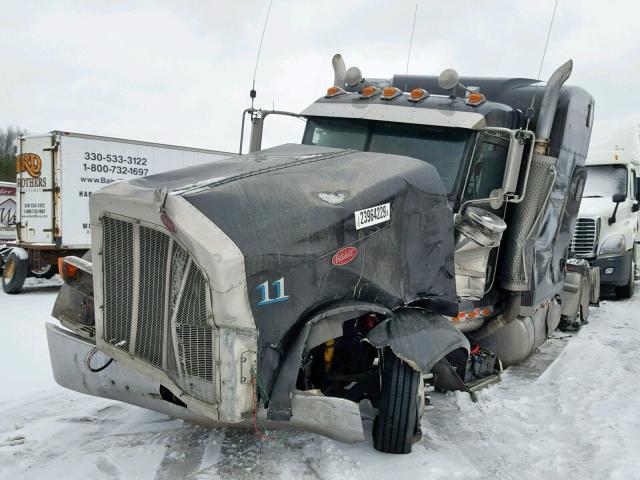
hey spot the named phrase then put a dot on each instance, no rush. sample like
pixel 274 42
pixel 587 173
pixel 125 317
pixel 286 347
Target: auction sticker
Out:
pixel 373 216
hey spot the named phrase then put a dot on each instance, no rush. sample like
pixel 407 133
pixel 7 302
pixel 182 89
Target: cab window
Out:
pixel 486 172
pixel 604 181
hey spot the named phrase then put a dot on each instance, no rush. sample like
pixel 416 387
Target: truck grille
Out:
pixel 585 237
pixel 155 305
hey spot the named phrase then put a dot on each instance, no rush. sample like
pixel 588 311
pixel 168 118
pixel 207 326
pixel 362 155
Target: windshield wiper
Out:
pixel 592 196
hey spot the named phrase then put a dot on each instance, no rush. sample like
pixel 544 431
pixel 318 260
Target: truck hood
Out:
pixel 293 212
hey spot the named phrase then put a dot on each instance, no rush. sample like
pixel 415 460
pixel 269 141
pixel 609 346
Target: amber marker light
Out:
pixel 166 220
pixel 475 99
pixel 334 91
pixel 368 92
pixel 418 94
pixel 66 271
pixel 390 93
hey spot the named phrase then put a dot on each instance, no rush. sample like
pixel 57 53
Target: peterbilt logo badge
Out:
pixel 30 163
pixel 344 255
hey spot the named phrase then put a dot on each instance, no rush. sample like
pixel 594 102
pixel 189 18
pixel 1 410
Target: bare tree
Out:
pixel 7 154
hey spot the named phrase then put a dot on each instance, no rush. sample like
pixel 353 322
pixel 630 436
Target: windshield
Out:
pixel 444 148
pixel 605 181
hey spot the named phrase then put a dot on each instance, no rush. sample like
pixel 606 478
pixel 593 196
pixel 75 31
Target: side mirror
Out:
pixel 512 169
pixel 617 198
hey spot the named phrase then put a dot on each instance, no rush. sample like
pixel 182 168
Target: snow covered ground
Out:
pixel 575 418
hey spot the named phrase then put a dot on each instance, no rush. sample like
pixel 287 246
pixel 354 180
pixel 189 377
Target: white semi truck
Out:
pixel 607 228
pixel 56 174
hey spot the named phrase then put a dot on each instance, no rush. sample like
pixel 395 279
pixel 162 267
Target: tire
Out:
pixel 629 288
pixel 585 301
pixel 397 418
pixel 584 316
pixel 46 271
pixel 14 273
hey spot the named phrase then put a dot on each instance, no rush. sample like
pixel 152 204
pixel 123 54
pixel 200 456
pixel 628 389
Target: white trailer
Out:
pixel 56 174
pixel 7 212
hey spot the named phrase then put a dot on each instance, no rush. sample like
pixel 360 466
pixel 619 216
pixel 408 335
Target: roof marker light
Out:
pixel 475 99
pixel 334 92
pixel 418 94
pixel 369 91
pixel 389 93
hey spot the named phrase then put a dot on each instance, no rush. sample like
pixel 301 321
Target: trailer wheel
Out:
pixel 46 271
pixel 15 273
pixel 628 289
pixel 398 420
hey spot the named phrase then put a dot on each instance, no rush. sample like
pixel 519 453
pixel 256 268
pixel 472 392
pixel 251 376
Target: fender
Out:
pixel 418 337
pixel 322 326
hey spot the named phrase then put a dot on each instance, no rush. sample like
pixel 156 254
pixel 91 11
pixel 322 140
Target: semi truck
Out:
pixel 415 239
pixel 56 174
pixel 606 233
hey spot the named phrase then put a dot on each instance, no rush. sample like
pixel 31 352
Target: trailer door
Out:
pixel 35 184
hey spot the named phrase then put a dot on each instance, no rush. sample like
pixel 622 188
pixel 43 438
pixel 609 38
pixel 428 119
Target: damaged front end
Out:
pixel 277 319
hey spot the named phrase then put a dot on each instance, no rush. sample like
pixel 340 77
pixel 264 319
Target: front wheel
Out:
pixel 15 273
pixel 628 289
pixel 45 271
pixel 398 417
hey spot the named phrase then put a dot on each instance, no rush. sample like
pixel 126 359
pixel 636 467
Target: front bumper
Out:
pixel 335 418
pixel 618 268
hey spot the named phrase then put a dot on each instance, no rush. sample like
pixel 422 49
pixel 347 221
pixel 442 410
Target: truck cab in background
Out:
pixel 606 232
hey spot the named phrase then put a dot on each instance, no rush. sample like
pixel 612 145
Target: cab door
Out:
pixel 34 189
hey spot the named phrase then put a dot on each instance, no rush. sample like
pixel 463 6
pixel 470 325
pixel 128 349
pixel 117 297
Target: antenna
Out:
pixel 546 43
pixel 415 14
pixel 252 93
pixel 544 53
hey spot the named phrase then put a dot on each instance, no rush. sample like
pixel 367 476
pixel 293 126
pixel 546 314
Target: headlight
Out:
pixel 614 244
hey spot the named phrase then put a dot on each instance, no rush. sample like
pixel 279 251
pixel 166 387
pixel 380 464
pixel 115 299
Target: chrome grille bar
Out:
pixel 135 291
pixel 165 312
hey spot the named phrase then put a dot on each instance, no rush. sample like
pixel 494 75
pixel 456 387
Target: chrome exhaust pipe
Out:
pixel 548 106
pixel 339 71
pixel 518 259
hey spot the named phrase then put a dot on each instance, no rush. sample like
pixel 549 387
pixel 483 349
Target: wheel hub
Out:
pixel 9 270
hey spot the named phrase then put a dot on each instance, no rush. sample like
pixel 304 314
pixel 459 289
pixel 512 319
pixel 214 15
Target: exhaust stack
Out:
pixel 339 70
pixel 548 106
pixel 517 264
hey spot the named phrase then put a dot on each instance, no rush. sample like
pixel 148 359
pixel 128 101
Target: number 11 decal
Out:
pixel 264 292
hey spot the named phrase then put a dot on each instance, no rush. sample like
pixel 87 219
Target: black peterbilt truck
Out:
pixel 415 239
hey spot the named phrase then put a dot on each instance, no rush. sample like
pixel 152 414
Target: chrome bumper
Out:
pixel 335 418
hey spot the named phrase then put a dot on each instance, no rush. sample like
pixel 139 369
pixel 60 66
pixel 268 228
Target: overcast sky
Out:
pixel 180 72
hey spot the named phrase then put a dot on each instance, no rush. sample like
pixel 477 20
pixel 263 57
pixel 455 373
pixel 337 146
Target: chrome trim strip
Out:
pixel 135 297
